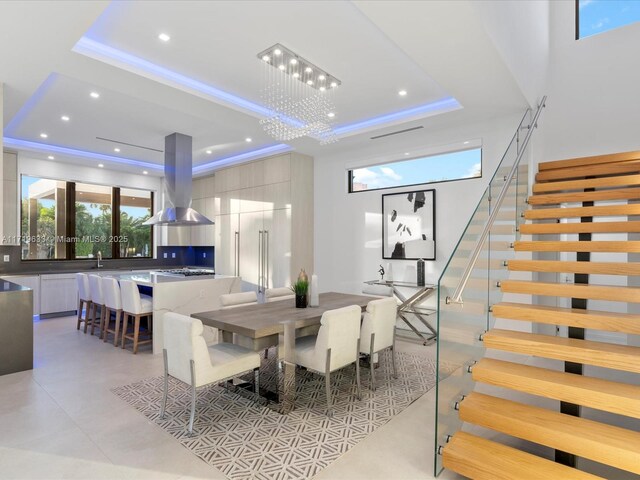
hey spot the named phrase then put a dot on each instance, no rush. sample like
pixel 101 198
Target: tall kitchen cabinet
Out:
pixel 264 220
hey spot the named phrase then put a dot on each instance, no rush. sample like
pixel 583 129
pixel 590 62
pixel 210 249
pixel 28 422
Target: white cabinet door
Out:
pixel 226 244
pixel 32 282
pixel 58 293
pixel 251 232
pixel 277 224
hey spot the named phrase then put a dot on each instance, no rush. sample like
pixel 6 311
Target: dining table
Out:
pixel 279 323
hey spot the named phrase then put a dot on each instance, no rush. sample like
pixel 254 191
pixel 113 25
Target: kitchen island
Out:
pixel 181 294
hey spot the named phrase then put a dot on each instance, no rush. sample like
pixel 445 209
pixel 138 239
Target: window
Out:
pixel 598 16
pixel 67 220
pixel 430 169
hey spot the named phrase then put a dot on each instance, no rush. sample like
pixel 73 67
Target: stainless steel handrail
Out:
pixel 457 294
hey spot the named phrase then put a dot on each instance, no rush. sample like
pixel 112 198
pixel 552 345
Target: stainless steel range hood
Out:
pixel 178 181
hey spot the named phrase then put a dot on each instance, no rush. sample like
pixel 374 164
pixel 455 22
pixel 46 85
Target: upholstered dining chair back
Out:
pixel 184 342
pixel 111 293
pixel 95 287
pixel 235 300
pixel 379 318
pixel 131 302
pixel 277 294
pixel 339 331
pixel 84 291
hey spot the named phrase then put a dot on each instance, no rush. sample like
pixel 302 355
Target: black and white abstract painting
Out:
pixel 409 225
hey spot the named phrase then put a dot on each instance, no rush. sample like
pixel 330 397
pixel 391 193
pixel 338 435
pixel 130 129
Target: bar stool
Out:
pixel 135 306
pixel 97 301
pixel 84 297
pixel 112 304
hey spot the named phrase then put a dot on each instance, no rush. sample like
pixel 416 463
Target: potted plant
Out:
pixel 301 289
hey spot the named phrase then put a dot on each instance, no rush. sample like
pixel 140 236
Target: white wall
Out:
pixel 593 106
pixel 348 227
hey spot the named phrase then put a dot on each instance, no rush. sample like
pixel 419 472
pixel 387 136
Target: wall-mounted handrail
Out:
pixel 457 294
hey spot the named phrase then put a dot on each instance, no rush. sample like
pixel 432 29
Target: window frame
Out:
pixel 70 221
pixel 351 169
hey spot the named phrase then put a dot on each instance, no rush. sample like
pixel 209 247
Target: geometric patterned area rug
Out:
pixel 246 440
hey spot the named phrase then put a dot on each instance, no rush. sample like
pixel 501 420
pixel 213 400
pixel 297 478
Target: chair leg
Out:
pixel 79 313
pixel 358 370
pixel 256 381
pixel 327 384
pixel 125 324
pixel 371 363
pixel 193 397
pixel 165 390
pixel 87 314
pixel 116 329
pixel 393 354
pixel 136 333
pixel 105 324
pixel 93 317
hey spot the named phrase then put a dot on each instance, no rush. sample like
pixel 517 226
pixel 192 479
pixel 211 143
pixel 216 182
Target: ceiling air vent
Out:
pixel 397 133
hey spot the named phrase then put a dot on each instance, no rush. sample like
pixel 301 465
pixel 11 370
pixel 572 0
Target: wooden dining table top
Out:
pixel 264 319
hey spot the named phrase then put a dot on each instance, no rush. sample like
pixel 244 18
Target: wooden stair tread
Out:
pixel 598 195
pixel 591 160
pixel 601 268
pixel 577 246
pixel 614 397
pixel 607 355
pixel 602 210
pixel 601 182
pixel 588 171
pixel 599 442
pixel 481 459
pixel 572 317
pixel 586 227
pixel 577 290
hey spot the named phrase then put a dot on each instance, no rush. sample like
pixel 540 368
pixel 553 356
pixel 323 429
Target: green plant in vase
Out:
pixel 301 289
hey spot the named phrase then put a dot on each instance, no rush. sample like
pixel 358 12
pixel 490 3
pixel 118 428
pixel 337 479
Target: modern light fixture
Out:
pixel 467 142
pixel 299 96
pixel 144 172
pixel 331 114
pixel 402 93
pixel 248 140
pixel 51 157
pixel 100 165
pixel 208 152
pixel 164 37
pixel 406 154
pixel 94 95
pixel 116 149
pixel 65 118
pixel 43 135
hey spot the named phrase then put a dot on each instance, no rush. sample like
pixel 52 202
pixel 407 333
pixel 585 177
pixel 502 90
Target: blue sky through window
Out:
pixel 436 168
pixel 597 16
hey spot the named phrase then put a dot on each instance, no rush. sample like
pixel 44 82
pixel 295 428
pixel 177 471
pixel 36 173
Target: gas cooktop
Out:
pixel 187 272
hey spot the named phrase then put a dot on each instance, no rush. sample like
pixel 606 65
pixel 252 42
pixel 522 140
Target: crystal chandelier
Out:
pixel 299 96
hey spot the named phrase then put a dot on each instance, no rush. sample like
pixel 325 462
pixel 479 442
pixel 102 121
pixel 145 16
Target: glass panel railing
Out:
pixel 470 283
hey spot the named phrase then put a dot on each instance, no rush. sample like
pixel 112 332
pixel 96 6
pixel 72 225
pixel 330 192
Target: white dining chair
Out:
pixel 135 306
pixel 188 359
pixel 112 304
pixel 378 332
pixel 336 346
pixel 279 294
pixel 97 302
pixel 84 298
pixel 235 300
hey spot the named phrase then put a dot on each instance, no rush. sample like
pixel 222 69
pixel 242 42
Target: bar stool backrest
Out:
pixel 84 293
pixel 95 287
pixel 111 292
pixel 131 302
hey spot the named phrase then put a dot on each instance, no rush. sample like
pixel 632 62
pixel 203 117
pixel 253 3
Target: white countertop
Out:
pixel 152 277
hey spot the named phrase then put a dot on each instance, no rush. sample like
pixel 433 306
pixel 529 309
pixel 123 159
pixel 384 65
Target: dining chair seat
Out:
pixel 279 294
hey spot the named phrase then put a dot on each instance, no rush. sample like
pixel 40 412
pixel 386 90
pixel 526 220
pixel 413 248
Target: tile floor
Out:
pixel 61 421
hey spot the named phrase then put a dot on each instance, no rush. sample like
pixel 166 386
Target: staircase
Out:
pixel 573 203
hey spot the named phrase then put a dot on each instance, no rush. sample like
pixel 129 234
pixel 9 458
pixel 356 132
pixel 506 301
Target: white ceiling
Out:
pixel 375 48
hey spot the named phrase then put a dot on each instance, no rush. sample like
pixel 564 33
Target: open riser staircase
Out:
pixel 579 224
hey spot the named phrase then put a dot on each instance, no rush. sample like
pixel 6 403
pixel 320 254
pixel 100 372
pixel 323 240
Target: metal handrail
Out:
pixel 457 294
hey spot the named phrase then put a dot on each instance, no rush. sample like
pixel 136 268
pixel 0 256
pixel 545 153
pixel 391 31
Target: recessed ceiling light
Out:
pixel 43 135
pixel 467 142
pixel 248 140
pixel 402 93
pixel 331 114
pixel 308 70
pixel 321 77
pixel 322 89
pixel 309 82
pixel 293 61
pixel 116 149
pixel 208 152
pixel 100 165
pixel 281 67
pixel 65 118
pixel 406 154
pixel 296 75
pixel 334 84
pixel 144 172
pixel 164 37
pixel 266 58
pixel 277 52
pixel 51 157
pixel 94 95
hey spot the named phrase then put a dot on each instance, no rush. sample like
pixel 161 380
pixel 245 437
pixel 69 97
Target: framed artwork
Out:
pixel 409 225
